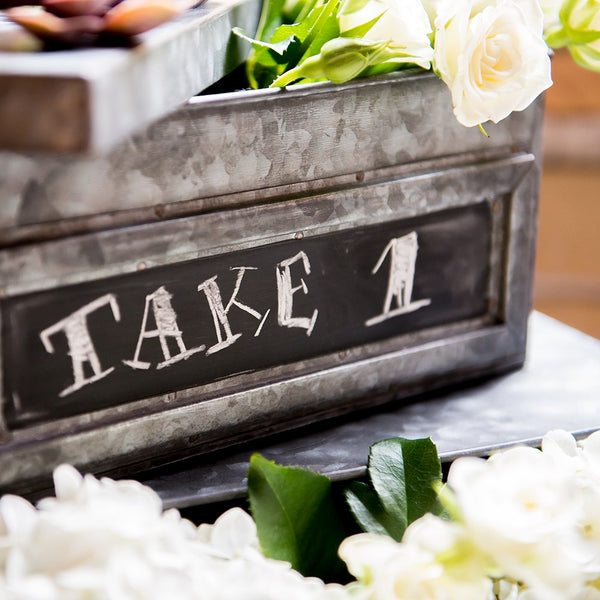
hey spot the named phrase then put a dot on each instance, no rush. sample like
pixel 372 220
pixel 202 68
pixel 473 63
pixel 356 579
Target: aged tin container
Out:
pixel 257 261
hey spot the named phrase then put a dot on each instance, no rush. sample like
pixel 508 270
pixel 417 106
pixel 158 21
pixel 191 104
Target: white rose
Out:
pixel 492 56
pixel 405 25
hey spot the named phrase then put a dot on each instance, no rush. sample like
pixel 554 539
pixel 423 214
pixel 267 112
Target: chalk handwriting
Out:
pixel 285 294
pixel 220 313
pixel 166 327
pixel 81 346
pixel 403 258
pixel 159 321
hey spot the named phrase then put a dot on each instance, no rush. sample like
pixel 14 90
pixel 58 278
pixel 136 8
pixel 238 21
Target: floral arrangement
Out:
pixel 522 525
pixel 492 54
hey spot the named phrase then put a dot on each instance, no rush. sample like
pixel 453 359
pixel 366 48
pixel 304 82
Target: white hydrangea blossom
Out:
pixel 108 540
pixel 527 528
pixel 519 506
pixel 431 563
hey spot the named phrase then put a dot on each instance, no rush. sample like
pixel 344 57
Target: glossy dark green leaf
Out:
pixel 404 475
pixel 296 517
pixel 366 508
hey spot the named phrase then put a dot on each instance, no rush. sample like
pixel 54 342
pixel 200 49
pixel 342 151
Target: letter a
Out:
pixel 81 347
pixel 166 327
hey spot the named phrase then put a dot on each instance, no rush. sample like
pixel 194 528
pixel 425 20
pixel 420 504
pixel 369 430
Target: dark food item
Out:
pixel 73 23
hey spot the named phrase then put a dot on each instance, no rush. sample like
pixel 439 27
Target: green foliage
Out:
pixel 362 29
pixel 368 510
pixel 299 521
pixel 578 31
pixel 270 18
pixel 404 476
pixel 296 517
pixel 280 46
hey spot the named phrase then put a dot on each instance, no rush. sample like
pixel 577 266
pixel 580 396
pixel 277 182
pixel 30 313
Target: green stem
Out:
pixel 287 77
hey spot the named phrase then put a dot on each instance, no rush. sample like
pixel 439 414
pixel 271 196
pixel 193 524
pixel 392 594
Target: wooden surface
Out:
pixel 568 256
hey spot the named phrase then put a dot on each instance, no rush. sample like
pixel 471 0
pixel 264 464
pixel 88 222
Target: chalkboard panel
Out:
pixel 75 349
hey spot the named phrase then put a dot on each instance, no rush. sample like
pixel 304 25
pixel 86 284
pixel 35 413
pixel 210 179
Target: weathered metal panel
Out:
pixel 518 408
pixel 246 147
pixel 325 191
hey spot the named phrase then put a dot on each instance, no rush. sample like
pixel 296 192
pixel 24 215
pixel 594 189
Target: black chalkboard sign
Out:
pixel 76 349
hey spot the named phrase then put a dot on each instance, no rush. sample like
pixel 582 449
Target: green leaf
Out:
pixel 328 30
pixel 261 68
pixel 295 11
pixel 361 30
pixel 270 19
pixel 319 26
pixel 366 508
pixel 278 48
pixel 586 57
pixel 322 28
pixel 556 37
pixel 296 517
pixel 404 475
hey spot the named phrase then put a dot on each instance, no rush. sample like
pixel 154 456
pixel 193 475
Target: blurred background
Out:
pixel 567 280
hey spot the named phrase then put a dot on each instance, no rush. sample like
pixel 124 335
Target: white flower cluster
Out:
pixel 108 540
pixel 527 527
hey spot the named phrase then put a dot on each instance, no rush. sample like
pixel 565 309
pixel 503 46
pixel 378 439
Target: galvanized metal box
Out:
pixel 256 261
